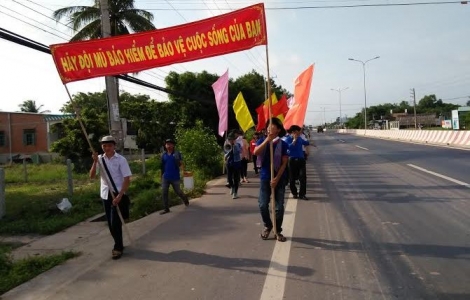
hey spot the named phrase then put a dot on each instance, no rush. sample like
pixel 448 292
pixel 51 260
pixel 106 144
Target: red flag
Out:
pixel 261 119
pixel 296 114
pixel 274 101
pixel 281 108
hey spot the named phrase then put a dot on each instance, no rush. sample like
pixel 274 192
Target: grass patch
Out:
pixel 13 274
pixel 31 207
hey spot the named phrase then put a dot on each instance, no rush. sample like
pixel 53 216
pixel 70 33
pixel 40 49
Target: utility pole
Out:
pixel 413 96
pixel 115 127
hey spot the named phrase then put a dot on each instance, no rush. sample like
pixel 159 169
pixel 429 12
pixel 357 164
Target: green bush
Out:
pixel 200 150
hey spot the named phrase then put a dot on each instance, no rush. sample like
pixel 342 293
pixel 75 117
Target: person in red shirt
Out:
pixel 253 142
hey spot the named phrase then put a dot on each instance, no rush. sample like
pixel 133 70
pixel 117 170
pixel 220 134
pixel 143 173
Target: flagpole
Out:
pixel 271 154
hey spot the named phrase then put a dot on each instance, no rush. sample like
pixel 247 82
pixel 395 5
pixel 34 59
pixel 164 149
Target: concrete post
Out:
pixel 2 193
pixel 25 171
pixel 69 178
pixel 143 161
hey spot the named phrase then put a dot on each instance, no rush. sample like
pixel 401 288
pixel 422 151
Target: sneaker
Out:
pixel 232 191
pixel 228 185
pixel 186 201
pixel 234 196
pixel 303 197
pixel 295 196
pixel 165 211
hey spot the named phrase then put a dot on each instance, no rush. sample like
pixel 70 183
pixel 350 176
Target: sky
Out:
pixel 425 47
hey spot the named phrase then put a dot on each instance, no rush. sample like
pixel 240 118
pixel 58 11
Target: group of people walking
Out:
pixel 290 152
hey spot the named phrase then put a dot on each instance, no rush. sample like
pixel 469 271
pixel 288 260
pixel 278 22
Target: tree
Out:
pixel 199 86
pixel 31 106
pixel 124 18
pixel 93 112
pixel 468 103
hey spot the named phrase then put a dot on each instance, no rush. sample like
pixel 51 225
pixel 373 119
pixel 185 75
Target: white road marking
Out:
pixel 362 148
pixel 275 282
pixel 440 176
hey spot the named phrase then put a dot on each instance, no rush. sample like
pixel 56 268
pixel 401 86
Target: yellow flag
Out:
pixel 273 101
pixel 242 113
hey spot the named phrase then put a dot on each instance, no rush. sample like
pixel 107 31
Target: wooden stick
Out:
pixel 77 112
pixel 273 200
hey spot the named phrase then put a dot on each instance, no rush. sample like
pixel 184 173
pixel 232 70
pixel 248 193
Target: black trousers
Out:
pixel 114 222
pixel 297 170
pixel 254 158
pixel 233 175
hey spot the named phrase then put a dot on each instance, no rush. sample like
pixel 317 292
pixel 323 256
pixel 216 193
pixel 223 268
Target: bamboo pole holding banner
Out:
pixel 102 174
pixel 271 154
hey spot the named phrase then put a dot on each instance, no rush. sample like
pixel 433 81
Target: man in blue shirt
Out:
pixel 275 130
pixel 170 170
pixel 297 168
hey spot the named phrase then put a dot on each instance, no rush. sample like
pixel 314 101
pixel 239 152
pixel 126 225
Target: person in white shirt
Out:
pixel 120 180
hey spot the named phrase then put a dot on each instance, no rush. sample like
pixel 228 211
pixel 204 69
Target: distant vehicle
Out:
pixel 319 129
pixel 18 159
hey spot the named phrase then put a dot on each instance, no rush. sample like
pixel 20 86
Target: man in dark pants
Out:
pixel 171 162
pixel 120 174
pixel 297 168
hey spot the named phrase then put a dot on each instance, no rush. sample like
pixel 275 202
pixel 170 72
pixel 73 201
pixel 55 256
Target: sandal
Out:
pixel 280 237
pixel 265 234
pixel 116 254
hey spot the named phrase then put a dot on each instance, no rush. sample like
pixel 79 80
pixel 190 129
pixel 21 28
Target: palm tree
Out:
pixel 124 18
pixel 31 106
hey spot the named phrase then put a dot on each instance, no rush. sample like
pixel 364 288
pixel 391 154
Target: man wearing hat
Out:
pixel 171 162
pixel 116 169
pixel 297 168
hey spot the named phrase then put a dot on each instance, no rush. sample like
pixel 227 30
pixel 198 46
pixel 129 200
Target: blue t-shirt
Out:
pixel 265 171
pixel 171 165
pixel 296 151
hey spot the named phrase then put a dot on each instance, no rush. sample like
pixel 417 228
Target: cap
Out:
pixel 295 128
pixel 170 141
pixel 108 139
pixel 231 136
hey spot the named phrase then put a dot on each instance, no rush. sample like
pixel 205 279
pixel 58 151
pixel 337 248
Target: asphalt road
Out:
pixel 378 225
pixel 378 228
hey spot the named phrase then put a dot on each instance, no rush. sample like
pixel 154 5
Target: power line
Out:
pixel 68 26
pixel 331 6
pixel 42 29
pixel 31 19
pixel 23 41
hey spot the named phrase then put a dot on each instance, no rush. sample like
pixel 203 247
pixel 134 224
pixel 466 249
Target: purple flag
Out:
pixel 220 88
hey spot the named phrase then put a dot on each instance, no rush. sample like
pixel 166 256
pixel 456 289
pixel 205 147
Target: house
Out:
pixel 408 120
pixel 23 133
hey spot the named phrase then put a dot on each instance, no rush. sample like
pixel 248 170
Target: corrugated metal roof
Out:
pixel 50 118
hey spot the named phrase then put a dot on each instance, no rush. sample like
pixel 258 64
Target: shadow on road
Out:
pixel 237 264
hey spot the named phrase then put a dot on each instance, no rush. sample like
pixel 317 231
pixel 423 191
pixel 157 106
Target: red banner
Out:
pixel 235 31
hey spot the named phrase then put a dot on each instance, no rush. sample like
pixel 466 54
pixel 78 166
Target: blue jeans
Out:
pixel 264 200
pixel 176 187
